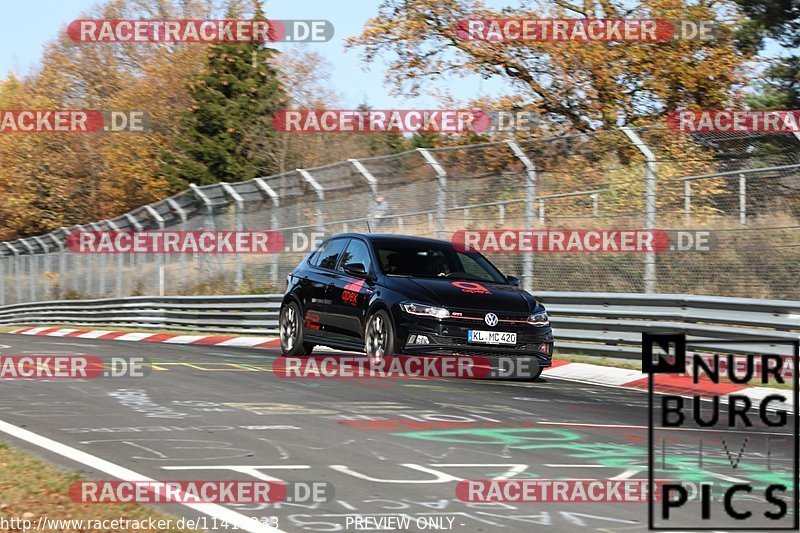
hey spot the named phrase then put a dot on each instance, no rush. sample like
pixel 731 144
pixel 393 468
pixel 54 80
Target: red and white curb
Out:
pixel 582 372
pixel 680 384
pixel 169 338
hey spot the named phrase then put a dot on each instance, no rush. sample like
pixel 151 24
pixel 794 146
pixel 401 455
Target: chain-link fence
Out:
pixel 744 189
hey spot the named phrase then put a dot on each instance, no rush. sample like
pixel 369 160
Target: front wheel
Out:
pixel 291 331
pixel 379 336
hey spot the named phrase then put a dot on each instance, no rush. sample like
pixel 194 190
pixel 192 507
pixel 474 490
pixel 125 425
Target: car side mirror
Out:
pixel 356 269
pixel 512 280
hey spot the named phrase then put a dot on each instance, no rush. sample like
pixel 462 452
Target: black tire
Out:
pixel 290 326
pixel 379 336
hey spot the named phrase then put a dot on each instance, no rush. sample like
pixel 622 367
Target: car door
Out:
pixel 349 294
pixel 323 265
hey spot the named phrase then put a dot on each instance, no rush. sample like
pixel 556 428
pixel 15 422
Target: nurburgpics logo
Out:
pixel 726 458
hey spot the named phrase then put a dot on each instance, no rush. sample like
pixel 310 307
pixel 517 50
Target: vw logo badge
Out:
pixel 490 319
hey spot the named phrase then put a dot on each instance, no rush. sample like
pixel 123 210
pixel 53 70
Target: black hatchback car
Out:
pixel 399 295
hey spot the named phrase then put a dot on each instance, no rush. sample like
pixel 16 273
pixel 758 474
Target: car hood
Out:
pixel 465 294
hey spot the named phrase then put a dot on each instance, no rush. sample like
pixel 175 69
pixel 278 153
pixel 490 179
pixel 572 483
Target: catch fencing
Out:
pixel 743 189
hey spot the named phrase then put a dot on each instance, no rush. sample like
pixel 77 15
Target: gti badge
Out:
pixel 490 319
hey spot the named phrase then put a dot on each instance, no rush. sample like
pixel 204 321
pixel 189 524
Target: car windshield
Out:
pixel 421 260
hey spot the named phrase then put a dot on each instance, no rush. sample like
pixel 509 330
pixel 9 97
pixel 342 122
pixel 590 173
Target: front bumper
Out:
pixel 449 337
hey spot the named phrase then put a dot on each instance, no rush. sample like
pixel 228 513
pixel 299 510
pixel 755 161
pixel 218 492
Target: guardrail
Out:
pixel 608 324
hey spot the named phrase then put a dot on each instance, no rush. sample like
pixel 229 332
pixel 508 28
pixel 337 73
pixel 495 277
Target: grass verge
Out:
pixel 30 489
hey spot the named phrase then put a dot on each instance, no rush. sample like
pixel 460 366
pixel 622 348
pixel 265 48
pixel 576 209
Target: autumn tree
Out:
pixel 581 86
pixel 58 179
pixel 232 102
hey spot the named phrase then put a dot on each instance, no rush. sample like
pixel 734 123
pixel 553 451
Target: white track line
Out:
pixel 211 509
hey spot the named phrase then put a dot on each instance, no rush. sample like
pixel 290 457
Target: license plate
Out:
pixel 491 337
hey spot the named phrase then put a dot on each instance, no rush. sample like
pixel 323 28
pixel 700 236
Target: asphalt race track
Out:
pixel 389 447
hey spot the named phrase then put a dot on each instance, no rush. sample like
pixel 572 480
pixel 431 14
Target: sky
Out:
pixel 29 24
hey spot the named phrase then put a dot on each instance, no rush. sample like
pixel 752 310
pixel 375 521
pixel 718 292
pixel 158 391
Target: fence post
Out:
pixel 159 257
pixel 17 281
pixel 649 206
pixel 541 212
pixel 208 220
pixel 62 258
pixel 137 226
pixel 530 216
pixel 238 201
pixel 46 260
pixel 101 262
pixel 742 199
pixel 373 189
pixel 441 195
pixel 273 220
pixel 181 257
pixel 687 201
pixel 320 213
pixel 31 275
pixel 120 262
pixel 62 262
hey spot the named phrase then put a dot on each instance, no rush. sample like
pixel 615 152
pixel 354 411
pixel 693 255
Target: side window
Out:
pixel 329 254
pixel 357 252
pixel 313 257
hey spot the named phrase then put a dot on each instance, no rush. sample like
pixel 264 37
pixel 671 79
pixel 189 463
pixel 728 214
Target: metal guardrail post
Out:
pixel 182 257
pixel 373 189
pixel 160 257
pixel 649 206
pixel 238 201
pixel 320 190
pixel 273 221
pixel 441 195
pixel 530 216
pixel 31 274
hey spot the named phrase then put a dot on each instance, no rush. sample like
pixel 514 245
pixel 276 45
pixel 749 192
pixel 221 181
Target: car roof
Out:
pixel 390 237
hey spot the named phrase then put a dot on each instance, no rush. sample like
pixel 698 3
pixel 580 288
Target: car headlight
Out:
pixel 425 310
pixel 539 319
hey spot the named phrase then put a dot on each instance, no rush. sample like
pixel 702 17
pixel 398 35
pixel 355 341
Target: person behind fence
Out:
pixel 382 212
